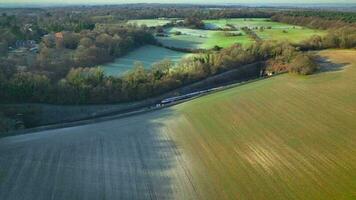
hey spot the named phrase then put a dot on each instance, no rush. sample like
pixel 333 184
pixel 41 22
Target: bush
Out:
pixel 177 33
pixel 6 124
pixel 194 22
pixel 303 64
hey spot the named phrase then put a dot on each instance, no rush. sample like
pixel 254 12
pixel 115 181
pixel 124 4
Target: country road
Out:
pixel 129 158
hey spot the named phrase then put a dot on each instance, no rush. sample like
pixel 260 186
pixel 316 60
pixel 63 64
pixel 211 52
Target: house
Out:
pixel 27 27
pixel 25 44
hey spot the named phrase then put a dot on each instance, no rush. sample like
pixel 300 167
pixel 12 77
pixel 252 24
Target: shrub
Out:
pixel 177 33
pixel 6 124
pixel 303 64
pixel 194 22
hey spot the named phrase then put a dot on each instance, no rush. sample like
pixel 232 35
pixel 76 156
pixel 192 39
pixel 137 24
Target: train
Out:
pixel 186 96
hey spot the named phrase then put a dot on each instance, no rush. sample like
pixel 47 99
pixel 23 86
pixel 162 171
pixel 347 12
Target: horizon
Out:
pixel 194 2
pixel 313 4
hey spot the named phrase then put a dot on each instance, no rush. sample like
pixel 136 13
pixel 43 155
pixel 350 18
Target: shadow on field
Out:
pixel 179 43
pixel 326 65
pixel 130 158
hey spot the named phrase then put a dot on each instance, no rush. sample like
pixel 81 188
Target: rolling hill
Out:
pixel 286 137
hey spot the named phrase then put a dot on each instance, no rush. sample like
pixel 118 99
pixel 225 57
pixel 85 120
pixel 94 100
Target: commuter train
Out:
pixel 186 96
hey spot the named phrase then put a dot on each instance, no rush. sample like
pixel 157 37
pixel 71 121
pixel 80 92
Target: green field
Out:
pixel 146 55
pixel 205 39
pixel 287 137
pixel 190 38
pixel 248 22
pixel 219 38
pixel 201 39
pixel 150 22
pixel 292 35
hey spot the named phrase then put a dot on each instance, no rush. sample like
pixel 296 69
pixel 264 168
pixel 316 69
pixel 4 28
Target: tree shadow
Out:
pixel 129 158
pixel 327 65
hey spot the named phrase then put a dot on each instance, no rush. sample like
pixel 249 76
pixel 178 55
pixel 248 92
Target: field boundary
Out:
pixel 148 109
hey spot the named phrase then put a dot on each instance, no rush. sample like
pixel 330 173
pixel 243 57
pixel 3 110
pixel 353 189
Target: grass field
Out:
pixel 219 38
pixel 286 137
pixel 146 55
pixel 247 22
pixel 190 38
pixel 202 39
pixel 292 35
pixel 205 39
pixel 150 22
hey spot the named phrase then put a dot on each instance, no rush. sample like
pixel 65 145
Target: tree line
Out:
pixel 341 32
pixel 64 64
pixel 85 85
pixel 91 86
pixel 64 50
pixel 349 17
pixel 315 21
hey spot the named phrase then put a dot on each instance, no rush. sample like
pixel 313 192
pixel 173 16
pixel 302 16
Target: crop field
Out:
pixel 120 159
pixel 146 55
pixel 286 137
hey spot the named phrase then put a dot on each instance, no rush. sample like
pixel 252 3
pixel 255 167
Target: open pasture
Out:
pixel 202 39
pixel 293 35
pixel 223 39
pixel 246 22
pixel 188 38
pixel 146 55
pixel 205 39
pixel 150 22
pixel 272 30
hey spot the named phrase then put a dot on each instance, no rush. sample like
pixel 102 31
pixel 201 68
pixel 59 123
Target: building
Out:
pixel 25 44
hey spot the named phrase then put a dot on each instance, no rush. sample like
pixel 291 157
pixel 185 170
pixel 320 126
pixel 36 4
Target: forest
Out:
pixel 71 45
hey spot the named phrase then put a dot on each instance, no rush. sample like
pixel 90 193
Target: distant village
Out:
pixel 22 46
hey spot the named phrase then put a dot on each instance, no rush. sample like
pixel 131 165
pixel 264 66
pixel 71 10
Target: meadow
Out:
pixel 247 22
pixel 202 39
pixel 206 39
pixel 293 35
pixel 223 40
pixel 146 55
pixel 150 22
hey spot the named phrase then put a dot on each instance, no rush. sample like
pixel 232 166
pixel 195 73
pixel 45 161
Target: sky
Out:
pixel 175 1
